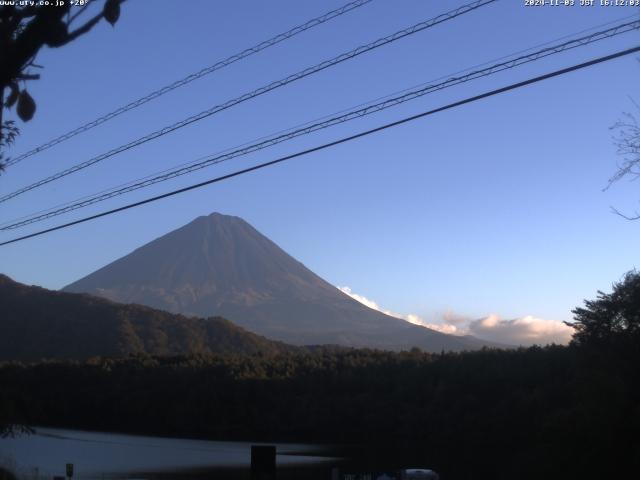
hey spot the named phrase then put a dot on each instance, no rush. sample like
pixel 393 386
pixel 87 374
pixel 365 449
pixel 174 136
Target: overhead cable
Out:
pixel 260 91
pixel 309 128
pixel 449 106
pixel 190 78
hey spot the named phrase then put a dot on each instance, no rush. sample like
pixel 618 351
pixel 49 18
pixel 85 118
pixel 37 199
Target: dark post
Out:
pixel 263 462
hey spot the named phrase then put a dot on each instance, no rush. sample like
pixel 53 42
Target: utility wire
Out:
pixel 260 91
pixel 309 128
pixel 365 133
pixel 309 122
pixel 194 76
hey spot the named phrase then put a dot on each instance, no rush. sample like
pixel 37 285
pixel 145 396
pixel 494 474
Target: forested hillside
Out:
pixel 37 323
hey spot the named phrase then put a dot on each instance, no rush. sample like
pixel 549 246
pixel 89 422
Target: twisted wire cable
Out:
pixel 307 129
pixel 260 91
pixel 334 143
pixel 194 76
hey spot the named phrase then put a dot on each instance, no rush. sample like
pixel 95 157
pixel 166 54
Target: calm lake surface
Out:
pixel 101 455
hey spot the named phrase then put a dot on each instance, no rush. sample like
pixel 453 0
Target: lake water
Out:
pixel 106 455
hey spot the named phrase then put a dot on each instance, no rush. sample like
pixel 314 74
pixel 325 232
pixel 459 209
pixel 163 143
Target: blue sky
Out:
pixel 492 208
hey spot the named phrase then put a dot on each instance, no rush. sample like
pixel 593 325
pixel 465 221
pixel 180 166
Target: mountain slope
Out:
pixel 38 323
pixel 221 265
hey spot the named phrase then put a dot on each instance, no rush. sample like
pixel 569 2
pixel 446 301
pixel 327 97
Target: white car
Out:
pixel 419 473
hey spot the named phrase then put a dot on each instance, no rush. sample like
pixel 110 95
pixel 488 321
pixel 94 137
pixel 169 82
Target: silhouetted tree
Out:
pixel 24 30
pixel 612 317
pixel 6 474
pixel 627 140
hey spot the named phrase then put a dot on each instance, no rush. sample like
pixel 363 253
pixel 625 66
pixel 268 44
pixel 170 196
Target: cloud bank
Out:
pixel 525 331
pixel 413 318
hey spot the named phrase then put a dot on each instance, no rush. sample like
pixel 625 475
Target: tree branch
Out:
pixel 83 29
pixel 626 217
pixel 78 13
pixel 87 26
pixel 28 76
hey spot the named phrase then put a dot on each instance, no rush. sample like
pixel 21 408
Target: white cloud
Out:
pixel 415 319
pixel 446 328
pixel 360 298
pixel 526 331
pixel 452 318
pixel 449 328
pixel 439 327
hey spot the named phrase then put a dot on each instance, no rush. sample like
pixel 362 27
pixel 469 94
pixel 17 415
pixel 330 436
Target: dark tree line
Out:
pixel 529 413
pixel 552 412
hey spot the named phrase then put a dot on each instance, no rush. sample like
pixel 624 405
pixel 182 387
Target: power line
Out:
pixel 362 104
pixel 260 91
pixel 309 128
pixel 194 76
pixel 365 133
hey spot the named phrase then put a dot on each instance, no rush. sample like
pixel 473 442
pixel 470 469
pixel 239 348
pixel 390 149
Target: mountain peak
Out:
pixel 219 217
pixel 222 216
pixel 220 265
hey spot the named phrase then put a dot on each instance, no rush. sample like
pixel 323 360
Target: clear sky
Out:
pixel 493 210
